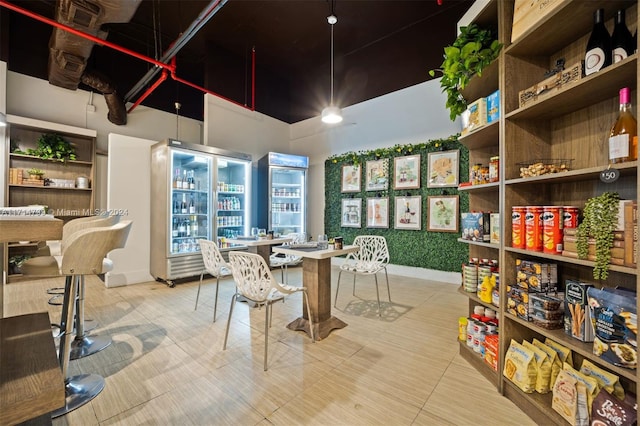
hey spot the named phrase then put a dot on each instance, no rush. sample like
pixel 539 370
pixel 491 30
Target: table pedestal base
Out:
pixel 320 330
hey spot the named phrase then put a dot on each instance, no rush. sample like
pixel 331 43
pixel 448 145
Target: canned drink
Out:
pixel 533 228
pixel 517 226
pixel 570 216
pixel 552 225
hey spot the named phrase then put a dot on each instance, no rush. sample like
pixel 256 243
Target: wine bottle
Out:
pixel 621 39
pixel 623 141
pixel 192 205
pixel 183 206
pixel 598 53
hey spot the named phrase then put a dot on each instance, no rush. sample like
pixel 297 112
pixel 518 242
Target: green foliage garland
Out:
pixel 600 218
pixel 51 146
pixel 424 249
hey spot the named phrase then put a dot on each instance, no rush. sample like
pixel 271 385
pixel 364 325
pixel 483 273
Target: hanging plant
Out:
pixel 600 219
pixel 470 53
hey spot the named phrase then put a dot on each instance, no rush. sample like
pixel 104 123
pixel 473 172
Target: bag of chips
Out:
pixel 607 381
pixel 556 364
pixel 544 367
pixel 520 367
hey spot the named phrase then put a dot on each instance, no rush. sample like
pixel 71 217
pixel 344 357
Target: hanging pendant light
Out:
pixel 332 114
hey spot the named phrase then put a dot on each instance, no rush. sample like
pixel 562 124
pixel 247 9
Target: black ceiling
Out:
pixel 380 47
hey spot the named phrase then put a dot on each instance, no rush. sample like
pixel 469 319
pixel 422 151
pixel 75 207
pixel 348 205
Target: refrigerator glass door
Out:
pixel 233 199
pixel 190 201
pixel 287 200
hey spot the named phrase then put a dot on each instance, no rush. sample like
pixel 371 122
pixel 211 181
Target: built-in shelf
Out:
pixel 479 243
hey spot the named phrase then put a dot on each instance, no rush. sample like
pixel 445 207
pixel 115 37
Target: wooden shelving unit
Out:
pixel 573 125
pixel 65 202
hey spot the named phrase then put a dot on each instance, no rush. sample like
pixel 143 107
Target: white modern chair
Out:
pixel 215 266
pixel 283 261
pixel 371 258
pixel 256 283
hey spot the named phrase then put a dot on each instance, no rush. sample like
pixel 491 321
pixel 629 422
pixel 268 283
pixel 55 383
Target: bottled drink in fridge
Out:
pixel 623 141
pixel 183 205
pixel 621 40
pixel 598 53
pixel 192 205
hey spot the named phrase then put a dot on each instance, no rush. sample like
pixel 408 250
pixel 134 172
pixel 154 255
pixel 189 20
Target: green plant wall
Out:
pixel 425 249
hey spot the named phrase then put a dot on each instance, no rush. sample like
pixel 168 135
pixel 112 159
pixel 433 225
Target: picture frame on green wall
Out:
pixel 378 212
pixel 408 212
pixel 406 172
pixel 351 178
pixel 377 175
pixel 442 213
pixel 443 169
pixel 351 213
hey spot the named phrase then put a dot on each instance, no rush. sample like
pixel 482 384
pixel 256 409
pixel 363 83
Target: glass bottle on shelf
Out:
pixel 183 205
pixel 621 40
pixel 192 205
pixel 598 54
pixel 177 180
pixel 623 140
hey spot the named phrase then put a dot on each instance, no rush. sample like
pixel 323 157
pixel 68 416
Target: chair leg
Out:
pixel 387 276
pixel 226 333
pixel 306 299
pixel 215 302
pixel 354 285
pixel 267 323
pixel 335 301
pixel 375 276
pixel 198 294
pixel 84 345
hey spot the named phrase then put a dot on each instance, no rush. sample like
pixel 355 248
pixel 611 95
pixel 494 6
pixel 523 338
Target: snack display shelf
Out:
pixel 479 243
pixel 483 187
pixel 536 405
pixel 476 299
pixel 478 363
pixel 485 136
pixel 628 168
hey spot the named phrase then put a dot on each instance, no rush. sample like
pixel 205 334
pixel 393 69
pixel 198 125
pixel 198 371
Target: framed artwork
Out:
pixel 351 212
pixel 406 172
pixel 442 213
pixel 377 175
pixel 408 212
pixel 351 178
pixel 443 169
pixel 378 212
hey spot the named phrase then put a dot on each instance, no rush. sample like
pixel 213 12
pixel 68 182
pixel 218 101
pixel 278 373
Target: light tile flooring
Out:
pixel 166 365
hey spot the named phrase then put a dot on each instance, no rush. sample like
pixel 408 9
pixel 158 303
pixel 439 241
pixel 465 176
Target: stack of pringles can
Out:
pixel 540 228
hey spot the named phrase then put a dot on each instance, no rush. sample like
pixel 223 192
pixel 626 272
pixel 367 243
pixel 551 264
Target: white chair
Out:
pixel 215 266
pixel 371 258
pixel 255 282
pixel 283 261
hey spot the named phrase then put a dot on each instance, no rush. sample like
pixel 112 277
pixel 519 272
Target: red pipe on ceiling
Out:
pixel 169 67
pixel 151 88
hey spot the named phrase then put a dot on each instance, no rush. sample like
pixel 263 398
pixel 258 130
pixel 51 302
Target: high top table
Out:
pixel 316 277
pixel 261 246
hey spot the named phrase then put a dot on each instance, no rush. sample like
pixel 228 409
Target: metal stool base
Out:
pixel 88 345
pixel 78 391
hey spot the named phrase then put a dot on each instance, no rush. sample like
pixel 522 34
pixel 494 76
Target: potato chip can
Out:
pixel 517 226
pixel 552 225
pixel 570 216
pixel 533 228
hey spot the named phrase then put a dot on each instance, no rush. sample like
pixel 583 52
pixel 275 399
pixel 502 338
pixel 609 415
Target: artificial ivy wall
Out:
pixel 419 248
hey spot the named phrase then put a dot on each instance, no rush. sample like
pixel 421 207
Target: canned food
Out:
pixel 533 228
pixel 552 225
pixel 475 175
pixel 570 216
pixel 518 214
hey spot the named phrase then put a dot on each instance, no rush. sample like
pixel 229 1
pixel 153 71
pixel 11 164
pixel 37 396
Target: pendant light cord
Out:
pixel 331 64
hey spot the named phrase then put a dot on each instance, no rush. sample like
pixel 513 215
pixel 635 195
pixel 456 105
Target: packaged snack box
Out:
pixel 577 316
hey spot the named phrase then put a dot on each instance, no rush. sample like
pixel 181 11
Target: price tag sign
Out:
pixel 609 175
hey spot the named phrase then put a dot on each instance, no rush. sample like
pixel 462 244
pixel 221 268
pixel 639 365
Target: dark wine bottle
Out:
pixel 598 54
pixel 621 39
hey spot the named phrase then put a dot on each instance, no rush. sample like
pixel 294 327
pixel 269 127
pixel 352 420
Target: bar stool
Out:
pixel 84 255
pixel 83 344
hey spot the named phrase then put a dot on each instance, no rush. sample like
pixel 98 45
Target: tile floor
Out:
pixel 166 365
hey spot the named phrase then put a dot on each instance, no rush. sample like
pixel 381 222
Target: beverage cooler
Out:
pixel 197 192
pixel 282 193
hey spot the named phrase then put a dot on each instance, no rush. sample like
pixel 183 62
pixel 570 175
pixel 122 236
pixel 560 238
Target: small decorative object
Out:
pixel 408 212
pixel 352 212
pixel 378 212
pixel 377 175
pixel 406 172
pixel 351 178
pixel 443 213
pixel 443 169
pixel 551 85
pixel 600 218
pixel 35 174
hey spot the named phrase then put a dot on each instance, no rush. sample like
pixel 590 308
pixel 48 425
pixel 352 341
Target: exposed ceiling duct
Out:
pixel 68 53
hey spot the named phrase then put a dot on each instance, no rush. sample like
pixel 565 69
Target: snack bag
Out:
pixel 607 381
pixel 590 383
pixel 564 353
pixel 544 367
pixel 565 397
pixel 609 410
pixel 520 367
pixel 556 364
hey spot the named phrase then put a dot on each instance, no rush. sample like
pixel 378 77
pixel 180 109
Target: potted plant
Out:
pixel 600 217
pixel 52 146
pixel 35 173
pixel 470 53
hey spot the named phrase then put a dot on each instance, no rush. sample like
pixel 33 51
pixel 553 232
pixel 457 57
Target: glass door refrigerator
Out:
pixel 194 196
pixel 282 194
